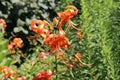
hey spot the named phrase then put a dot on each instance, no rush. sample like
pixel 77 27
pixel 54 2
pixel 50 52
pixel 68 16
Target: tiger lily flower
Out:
pixel 40 27
pixel 57 42
pixel 70 12
pixel 65 17
pixel 16 43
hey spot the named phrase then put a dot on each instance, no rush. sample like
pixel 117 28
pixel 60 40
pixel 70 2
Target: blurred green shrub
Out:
pixel 100 26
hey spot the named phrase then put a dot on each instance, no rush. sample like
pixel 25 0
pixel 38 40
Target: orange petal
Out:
pixel 34 26
pixel 55 20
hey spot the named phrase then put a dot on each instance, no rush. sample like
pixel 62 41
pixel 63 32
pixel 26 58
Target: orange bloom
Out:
pixel 17 43
pixel 56 42
pixel 3 23
pixel 40 27
pixel 65 16
pixel 79 34
pixel 6 71
pixel 44 75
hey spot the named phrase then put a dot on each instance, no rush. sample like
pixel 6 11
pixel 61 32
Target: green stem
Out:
pixel 56 68
pixel 71 73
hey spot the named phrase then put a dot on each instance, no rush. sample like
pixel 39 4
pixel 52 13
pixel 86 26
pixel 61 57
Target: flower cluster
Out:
pixel 17 43
pixel 8 73
pixel 56 41
pixel 44 75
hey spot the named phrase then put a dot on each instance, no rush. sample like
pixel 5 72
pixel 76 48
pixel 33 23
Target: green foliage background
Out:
pixel 100 26
pixel 99 20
